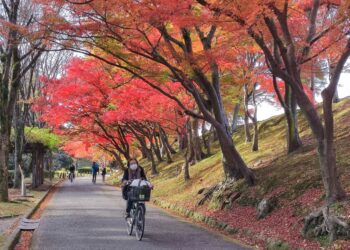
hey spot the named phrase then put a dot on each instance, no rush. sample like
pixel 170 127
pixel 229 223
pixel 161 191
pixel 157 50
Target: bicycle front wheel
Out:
pixel 130 223
pixel 140 222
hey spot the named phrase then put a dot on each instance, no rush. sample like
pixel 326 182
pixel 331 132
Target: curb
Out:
pixel 12 239
pixel 9 216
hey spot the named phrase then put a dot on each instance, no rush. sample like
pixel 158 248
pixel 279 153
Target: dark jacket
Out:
pixel 139 173
pixel 71 169
pixel 104 171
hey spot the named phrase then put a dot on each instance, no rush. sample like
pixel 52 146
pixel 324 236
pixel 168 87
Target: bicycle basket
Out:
pixel 142 193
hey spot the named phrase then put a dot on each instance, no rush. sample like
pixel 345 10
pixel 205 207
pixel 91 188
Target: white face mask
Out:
pixel 133 166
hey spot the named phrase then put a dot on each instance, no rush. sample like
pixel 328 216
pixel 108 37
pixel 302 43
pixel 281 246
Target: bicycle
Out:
pixel 136 219
pixel 71 177
pixel 138 195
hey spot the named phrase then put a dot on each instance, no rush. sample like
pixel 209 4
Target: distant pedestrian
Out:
pixel 103 173
pixel 72 170
pixel 94 170
pixel 71 175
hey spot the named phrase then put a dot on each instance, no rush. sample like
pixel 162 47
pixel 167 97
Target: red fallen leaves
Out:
pixel 310 197
pixel 280 224
pixel 284 223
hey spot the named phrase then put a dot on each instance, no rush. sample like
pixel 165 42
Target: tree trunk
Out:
pixel 289 106
pixel 19 141
pixel 331 72
pixel 119 161
pixel 156 150
pixel 235 117
pixel 189 148
pixel 143 152
pixel 41 166
pixel 148 152
pixel 189 155
pixel 37 165
pixel 248 136
pixel 196 143
pixel 4 156
pixel 50 164
pixel 254 118
pixel 325 140
pixel 182 138
pixel 34 168
pixel 255 145
pixel 206 139
pixel 290 111
pixel 161 147
pixel 153 163
pixel 165 140
pixel 293 139
pixel 214 133
pixel 186 170
pixel 165 147
pixel 336 98
pixel 327 155
pixel 234 166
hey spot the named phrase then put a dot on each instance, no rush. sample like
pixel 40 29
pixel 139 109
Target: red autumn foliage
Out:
pixel 91 94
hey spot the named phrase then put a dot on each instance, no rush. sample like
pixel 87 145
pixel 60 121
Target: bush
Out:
pixel 84 170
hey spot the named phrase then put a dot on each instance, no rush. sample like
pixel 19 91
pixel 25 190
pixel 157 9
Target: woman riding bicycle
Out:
pixel 134 171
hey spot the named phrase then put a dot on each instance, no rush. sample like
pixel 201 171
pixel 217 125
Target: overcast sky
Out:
pixel 265 110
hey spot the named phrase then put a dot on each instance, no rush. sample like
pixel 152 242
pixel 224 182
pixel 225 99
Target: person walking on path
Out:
pixel 103 173
pixel 94 170
pixel 71 175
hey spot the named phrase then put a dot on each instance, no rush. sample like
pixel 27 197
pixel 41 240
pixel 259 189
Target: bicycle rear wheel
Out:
pixel 140 222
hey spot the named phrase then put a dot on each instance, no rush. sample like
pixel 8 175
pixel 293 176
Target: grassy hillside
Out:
pixel 293 179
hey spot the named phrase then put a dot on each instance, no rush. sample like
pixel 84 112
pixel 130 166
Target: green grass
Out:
pixel 20 207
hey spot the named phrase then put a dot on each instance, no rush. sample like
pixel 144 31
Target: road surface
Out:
pixel 82 215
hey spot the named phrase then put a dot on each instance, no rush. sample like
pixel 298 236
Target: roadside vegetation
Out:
pixel 293 181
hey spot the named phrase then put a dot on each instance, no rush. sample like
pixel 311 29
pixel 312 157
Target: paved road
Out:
pixel 82 215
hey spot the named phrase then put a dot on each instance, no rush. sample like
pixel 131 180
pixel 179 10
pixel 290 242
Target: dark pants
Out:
pixel 128 205
pixel 94 177
pixel 125 197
